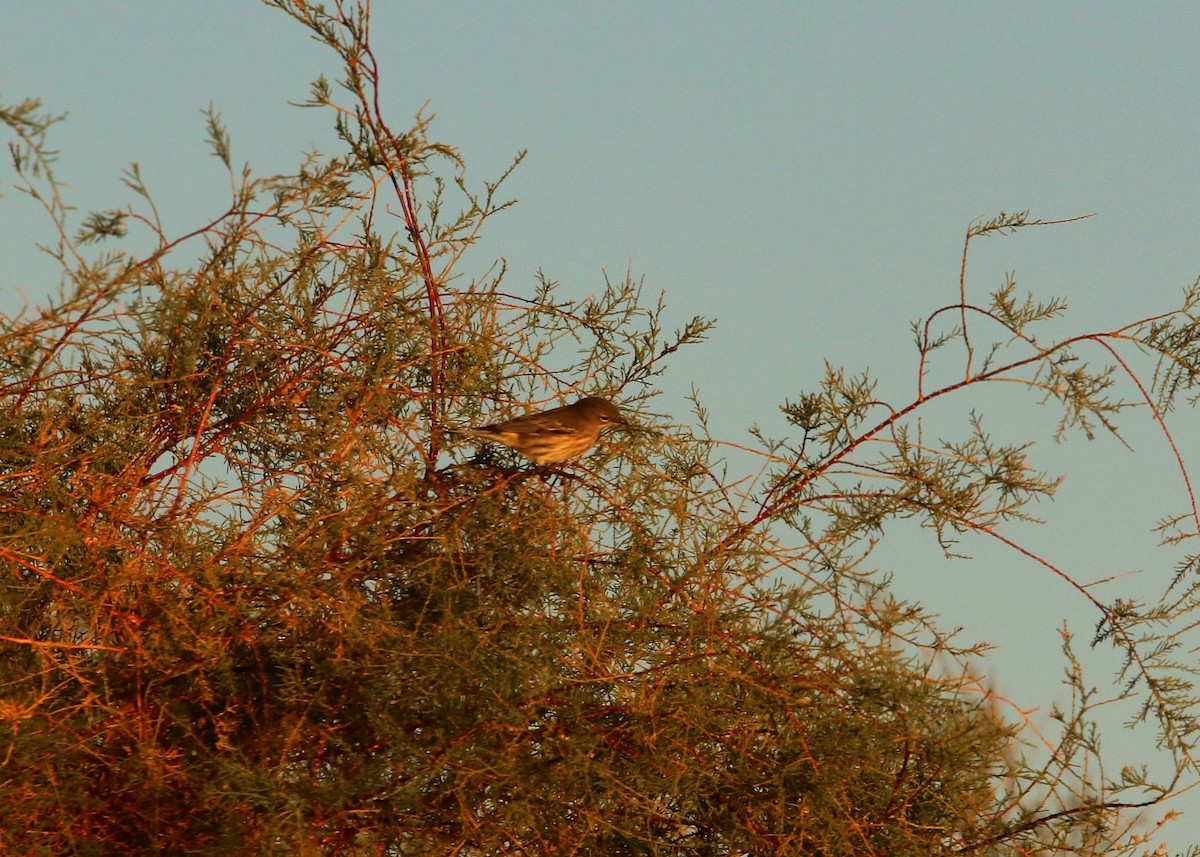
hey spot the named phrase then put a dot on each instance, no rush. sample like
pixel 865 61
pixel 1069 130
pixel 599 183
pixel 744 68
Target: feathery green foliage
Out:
pixel 260 598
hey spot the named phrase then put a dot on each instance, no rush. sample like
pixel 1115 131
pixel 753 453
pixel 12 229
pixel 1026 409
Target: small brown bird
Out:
pixel 556 436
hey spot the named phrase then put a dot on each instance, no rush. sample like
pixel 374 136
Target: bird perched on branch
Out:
pixel 556 436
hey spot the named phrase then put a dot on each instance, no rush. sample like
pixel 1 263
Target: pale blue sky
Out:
pixel 804 172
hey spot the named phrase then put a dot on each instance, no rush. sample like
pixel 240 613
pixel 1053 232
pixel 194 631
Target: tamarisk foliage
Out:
pixel 257 596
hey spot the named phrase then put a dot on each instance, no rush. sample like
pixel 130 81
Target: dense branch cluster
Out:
pixel 260 595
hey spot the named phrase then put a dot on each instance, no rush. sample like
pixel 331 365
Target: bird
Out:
pixel 556 436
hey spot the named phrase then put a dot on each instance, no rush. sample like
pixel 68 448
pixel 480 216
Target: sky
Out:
pixel 803 172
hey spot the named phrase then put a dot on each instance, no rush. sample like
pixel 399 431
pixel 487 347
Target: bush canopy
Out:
pixel 261 596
